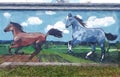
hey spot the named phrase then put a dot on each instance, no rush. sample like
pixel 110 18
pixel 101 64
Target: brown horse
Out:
pixel 22 38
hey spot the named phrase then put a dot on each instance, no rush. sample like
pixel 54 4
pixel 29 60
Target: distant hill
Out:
pixel 57 42
pixel 10 41
pixel 5 41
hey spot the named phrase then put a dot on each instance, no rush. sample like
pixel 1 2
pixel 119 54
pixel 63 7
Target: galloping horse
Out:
pixel 22 38
pixel 81 34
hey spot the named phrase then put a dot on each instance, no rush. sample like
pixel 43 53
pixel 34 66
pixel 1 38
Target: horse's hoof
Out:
pixel 69 52
pixel 10 53
pixel 16 53
pixel 86 57
pixel 22 53
pixel 101 60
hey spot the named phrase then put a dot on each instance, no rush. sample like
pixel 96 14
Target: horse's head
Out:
pixel 72 19
pixel 13 26
pixel 69 20
pixel 10 27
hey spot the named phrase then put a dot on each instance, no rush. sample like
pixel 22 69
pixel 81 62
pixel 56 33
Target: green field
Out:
pixel 58 53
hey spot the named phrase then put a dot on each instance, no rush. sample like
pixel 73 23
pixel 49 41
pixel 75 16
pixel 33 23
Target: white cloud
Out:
pixel 79 16
pixel 24 24
pixel 50 12
pixel 66 31
pixel 93 21
pixel 7 15
pixel 48 28
pixel 58 25
pixel 32 21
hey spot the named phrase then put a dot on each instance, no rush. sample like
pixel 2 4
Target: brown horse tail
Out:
pixel 54 32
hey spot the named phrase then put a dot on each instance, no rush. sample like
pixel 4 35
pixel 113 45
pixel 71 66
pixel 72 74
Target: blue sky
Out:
pixel 42 21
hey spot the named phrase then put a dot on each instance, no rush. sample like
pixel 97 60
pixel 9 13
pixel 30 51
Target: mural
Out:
pixel 74 36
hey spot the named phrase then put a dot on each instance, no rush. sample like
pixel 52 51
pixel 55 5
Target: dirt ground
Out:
pixel 17 58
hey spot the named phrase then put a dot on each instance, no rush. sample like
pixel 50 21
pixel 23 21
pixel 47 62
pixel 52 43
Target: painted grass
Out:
pixel 57 53
pixel 60 71
pixel 62 53
pixel 59 48
pixel 4 49
pixel 73 59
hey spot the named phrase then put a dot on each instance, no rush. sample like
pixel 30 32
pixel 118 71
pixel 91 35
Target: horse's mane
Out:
pixel 18 26
pixel 80 21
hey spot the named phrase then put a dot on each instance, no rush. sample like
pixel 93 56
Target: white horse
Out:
pixel 82 34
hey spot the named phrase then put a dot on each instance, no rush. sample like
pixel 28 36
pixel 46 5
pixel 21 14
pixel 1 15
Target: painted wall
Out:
pixel 42 21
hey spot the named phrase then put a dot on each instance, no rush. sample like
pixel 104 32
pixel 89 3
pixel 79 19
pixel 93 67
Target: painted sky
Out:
pixel 42 21
pixel 70 1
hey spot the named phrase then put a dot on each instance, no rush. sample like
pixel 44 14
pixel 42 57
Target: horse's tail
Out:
pixel 54 32
pixel 110 36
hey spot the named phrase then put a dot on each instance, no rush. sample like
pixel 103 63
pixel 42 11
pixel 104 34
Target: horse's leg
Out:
pixel 108 48
pixel 72 44
pixel 12 46
pixel 16 51
pixel 9 50
pixel 69 47
pixel 35 53
pixel 93 46
pixel 102 45
pixel 37 50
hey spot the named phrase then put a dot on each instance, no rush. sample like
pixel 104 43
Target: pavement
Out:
pixel 12 64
